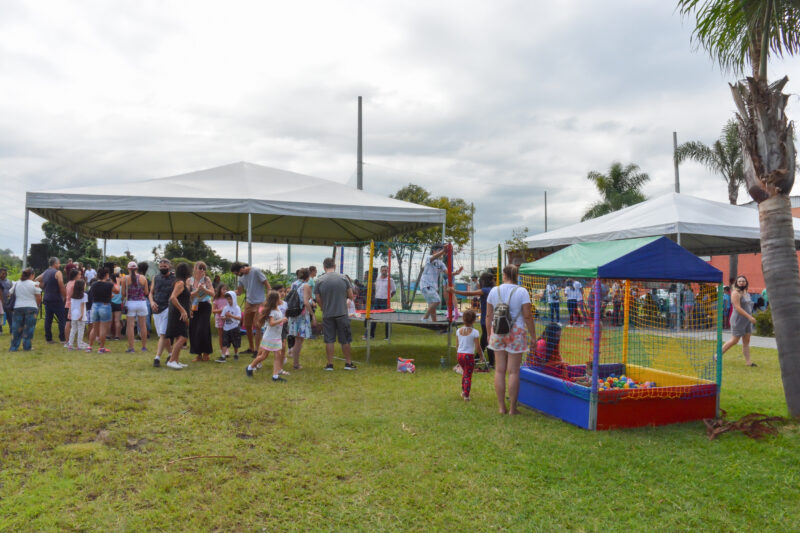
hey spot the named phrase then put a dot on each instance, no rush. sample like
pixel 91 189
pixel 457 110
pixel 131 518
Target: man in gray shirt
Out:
pixel 254 283
pixel 332 291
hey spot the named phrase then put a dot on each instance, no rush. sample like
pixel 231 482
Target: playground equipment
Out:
pixel 361 262
pixel 638 342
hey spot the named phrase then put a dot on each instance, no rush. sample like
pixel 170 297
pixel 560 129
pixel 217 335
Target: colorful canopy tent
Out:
pixel 671 368
pixel 241 201
pixel 652 258
pixel 703 227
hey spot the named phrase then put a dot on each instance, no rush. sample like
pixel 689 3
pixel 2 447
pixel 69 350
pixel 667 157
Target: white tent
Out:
pixel 702 226
pixel 241 201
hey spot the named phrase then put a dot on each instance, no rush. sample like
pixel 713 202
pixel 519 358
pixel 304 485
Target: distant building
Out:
pixel 750 264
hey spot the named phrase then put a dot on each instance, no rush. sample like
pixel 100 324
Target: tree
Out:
pixel 723 157
pixel 516 245
pixel 738 34
pixel 193 251
pixel 458 219
pixel 65 244
pixel 8 260
pixel 620 187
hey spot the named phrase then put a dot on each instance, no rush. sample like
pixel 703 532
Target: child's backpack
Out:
pixel 501 324
pixel 294 305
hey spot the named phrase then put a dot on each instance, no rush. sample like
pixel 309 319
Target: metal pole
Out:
pixel 626 321
pixel 288 259
pixel 443 231
pixel 472 242
pixel 237 250
pixel 105 244
pixel 675 161
pixel 359 185
pixel 360 162
pixel 718 350
pixel 595 354
pixel 249 239
pixel 545 211
pixel 25 242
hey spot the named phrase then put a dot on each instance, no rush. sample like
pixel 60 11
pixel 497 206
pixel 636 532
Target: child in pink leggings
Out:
pixel 468 345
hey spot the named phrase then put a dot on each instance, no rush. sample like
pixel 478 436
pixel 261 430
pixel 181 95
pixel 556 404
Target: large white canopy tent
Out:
pixel 704 227
pixel 241 201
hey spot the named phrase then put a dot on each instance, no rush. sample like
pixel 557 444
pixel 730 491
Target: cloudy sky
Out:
pixel 493 102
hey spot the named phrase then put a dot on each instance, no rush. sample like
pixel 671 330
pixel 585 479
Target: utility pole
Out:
pixel 360 161
pixel 472 242
pixel 545 211
pixel 360 185
pixel 278 264
pixel 675 160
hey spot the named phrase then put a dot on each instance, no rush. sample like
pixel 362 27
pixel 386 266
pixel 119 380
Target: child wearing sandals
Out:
pixel 231 316
pixel 220 301
pixel 468 345
pixel 77 315
pixel 271 341
pixel 282 307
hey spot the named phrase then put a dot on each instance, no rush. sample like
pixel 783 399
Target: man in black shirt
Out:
pixel 159 303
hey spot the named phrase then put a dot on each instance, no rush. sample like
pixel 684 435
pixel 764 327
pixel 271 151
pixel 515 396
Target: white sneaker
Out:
pixel 258 366
pixel 183 365
pixel 174 365
pixel 424 319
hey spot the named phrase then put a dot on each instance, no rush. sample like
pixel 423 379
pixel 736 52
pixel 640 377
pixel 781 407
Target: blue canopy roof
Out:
pixel 649 258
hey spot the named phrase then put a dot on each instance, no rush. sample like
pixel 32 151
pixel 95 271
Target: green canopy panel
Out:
pixel 647 258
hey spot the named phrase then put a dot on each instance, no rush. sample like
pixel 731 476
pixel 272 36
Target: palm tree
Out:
pixel 738 33
pixel 723 157
pixel 619 188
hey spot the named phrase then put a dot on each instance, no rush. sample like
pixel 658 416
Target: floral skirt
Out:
pixel 300 326
pixel 515 341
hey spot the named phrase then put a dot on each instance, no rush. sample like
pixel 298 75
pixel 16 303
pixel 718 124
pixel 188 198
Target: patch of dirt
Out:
pixel 244 436
pixel 135 444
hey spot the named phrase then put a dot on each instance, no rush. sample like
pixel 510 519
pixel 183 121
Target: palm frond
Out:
pixel 730 30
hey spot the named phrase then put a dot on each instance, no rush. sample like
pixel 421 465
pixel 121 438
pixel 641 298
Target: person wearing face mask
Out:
pixel 163 283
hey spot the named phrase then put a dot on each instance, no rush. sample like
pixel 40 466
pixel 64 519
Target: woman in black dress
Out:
pixel 178 317
pixel 201 291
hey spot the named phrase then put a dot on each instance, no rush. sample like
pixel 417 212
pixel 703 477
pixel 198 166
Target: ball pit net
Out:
pixel 655 339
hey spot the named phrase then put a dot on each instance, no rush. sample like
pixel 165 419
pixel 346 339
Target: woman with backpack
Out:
pixel 300 313
pixel 508 314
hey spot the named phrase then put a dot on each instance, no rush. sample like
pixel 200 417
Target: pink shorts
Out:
pixel 515 341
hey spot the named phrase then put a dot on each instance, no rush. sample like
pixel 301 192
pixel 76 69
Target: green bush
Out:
pixel 764 327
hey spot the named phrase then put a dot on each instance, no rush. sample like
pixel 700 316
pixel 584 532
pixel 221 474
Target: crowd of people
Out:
pixel 179 302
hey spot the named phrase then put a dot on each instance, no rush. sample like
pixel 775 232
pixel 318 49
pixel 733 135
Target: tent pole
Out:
pixel 288 258
pixel 443 232
pixel 105 245
pixel 25 242
pixel 249 239
pixel 237 250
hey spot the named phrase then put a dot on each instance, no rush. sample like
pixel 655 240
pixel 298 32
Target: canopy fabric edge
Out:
pixel 54 202
pixel 54 216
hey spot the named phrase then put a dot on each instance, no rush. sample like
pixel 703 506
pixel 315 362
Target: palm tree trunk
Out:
pixel 768 158
pixel 781 274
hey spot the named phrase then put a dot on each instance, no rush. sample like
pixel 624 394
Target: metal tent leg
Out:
pixel 367 335
pixel 249 239
pixel 25 242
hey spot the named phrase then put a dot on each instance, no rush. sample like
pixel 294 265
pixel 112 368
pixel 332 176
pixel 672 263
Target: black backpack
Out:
pixel 294 305
pixel 502 321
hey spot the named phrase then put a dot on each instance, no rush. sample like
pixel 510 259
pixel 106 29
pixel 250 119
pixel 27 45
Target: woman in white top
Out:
pixel 28 299
pixel 508 348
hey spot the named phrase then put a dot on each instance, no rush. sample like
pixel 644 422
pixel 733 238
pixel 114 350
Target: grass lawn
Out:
pixel 86 441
